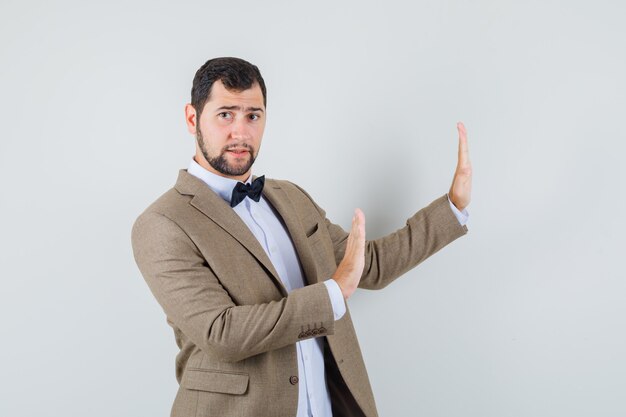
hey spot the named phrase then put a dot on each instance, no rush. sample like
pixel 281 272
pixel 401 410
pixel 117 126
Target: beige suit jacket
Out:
pixel 234 322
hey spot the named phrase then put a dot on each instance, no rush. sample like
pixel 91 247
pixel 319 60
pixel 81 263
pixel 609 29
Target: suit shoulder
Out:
pixel 160 223
pixel 170 204
pixel 288 186
pixel 300 197
pixel 291 188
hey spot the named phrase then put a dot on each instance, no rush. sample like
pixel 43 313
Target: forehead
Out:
pixel 220 96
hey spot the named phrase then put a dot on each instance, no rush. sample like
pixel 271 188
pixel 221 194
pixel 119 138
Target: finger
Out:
pixel 354 237
pixel 360 218
pixel 355 227
pixel 359 225
pixel 463 147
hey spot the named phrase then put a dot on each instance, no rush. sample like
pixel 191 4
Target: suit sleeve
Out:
pixel 391 256
pixel 194 300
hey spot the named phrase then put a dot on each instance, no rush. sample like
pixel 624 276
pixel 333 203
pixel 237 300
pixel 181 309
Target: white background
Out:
pixel 523 316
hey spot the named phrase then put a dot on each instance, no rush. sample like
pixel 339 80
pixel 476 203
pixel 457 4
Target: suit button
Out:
pixel 293 380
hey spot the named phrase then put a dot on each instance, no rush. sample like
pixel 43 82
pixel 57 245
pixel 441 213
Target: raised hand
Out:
pixel 461 188
pixel 350 269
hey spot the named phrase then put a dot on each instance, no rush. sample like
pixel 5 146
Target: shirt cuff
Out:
pixel 461 216
pixel 336 298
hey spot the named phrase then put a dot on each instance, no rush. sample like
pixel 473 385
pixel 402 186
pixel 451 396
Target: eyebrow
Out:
pixel 239 108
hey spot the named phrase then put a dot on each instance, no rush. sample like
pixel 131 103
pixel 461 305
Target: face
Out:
pixel 229 130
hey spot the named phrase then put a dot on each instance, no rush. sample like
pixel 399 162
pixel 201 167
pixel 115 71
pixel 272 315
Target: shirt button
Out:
pixel 293 380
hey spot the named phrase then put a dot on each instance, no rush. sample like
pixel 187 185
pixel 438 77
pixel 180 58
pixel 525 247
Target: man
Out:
pixel 253 277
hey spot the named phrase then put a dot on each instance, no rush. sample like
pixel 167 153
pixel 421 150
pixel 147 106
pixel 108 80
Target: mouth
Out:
pixel 238 152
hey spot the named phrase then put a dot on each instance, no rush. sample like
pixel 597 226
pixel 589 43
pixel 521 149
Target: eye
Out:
pixel 227 115
pixel 254 117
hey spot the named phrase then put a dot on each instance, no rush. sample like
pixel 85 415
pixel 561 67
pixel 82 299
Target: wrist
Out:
pixel 344 292
pixel 454 201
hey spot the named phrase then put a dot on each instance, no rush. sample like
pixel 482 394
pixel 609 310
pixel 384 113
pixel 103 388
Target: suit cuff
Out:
pixel 461 216
pixel 336 298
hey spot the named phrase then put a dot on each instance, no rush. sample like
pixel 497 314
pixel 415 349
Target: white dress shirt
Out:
pixel 267 226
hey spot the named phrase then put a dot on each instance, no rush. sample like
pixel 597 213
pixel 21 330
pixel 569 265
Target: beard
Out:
pixel 220 163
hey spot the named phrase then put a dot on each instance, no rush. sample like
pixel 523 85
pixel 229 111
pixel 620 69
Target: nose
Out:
pixel 239 129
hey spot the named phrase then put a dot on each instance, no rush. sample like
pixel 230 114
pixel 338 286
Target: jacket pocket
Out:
pixel 215 381
pixel 313 230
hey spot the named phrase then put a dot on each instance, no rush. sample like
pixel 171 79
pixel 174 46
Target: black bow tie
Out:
pixel 242 190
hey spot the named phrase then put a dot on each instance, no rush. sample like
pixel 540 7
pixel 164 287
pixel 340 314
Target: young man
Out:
pixel 253 277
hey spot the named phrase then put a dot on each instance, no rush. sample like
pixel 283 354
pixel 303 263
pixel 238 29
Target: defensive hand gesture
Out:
pixel 461 189
pixel 350 269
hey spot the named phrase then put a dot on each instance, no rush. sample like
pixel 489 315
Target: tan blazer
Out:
pixel 234 322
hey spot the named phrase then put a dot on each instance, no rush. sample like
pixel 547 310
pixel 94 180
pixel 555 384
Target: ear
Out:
pixel 190 118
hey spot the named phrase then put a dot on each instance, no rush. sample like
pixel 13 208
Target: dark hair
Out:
pixel 235 73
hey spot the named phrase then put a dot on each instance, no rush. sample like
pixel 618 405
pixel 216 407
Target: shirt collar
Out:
pixel 222 186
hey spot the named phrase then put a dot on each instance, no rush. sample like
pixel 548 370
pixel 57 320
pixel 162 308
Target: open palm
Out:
pixel 461 188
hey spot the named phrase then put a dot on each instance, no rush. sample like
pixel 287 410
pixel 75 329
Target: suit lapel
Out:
pixel 218 210
pixel 278 198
